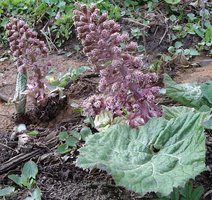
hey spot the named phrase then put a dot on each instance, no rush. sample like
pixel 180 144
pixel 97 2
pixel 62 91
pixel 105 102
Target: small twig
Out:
pixel 207 193
pixel 4 145
pixel 156 30
pixel 136 22
pixel 5 115
pixel 166 31
pixel 48 39
pixel 144 41
pixel 4 98
pixel 85 76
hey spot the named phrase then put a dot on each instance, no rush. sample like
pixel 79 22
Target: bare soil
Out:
pixel 59 178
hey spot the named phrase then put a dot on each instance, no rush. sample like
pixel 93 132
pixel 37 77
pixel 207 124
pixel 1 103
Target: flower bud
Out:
pixel 76 18
pixel 21 45
pixel 45 50
pixel 83 19
pixel 15 35
pixel 20 24
pixel 93 8
pixel 14 27
pixel 105 33
pixel 16 53
pixel 94 17
pixel 13 48
pixel 77 12
pixel 34 34
pixel 26 27
pixel 131 46
pixel 106 25
pixel 116 50
pixel 103 18
pixel 22 30
pixel 92 27
pixel 83 8
pixel 9 26
pixel 11 32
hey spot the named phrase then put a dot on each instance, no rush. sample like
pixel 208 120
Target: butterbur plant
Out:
pixel 125 90
pixel 29 51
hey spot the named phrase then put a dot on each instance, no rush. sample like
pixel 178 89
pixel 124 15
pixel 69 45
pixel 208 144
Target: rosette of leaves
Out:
pixel 157 157
pixel 29 51
pixel 124 88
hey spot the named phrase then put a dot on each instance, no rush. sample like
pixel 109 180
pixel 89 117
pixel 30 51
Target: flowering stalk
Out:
pixel 125 88
pixel 28 50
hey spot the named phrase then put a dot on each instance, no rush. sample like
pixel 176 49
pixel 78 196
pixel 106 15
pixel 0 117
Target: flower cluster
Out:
pixel 29 50
pixel 124 86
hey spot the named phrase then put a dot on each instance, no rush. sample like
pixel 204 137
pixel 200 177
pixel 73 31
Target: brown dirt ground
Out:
pixel 58 177
pixel 60 64
pixel 199 74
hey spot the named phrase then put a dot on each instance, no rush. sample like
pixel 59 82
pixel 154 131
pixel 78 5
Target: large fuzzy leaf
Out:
pixel 188 94
pixel 207 91
pixel 156 157
pixel 175 111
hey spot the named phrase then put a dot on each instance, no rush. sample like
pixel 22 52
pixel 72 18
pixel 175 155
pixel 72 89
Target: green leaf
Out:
pixel 36 195
pixel 177 28
pixel 188 192
pixel 207 91
pixel 208 124
pixel 178 44
pixel 76 135
pixel 33 133
pixel 26 182
pixel 173 18
pixel 188 94
pixel 155 157
pixel 197 193
pixel 194 52
pixel 172 1
pixel 175 111
pixel 72 141
pixel 141 48
pixel 30 169
pixel 16 179
pixel 63 136
pixel 171 49
pixel 63 148
pixel 208 35
pixel 85 132
pixel 6 191
pixel 191 16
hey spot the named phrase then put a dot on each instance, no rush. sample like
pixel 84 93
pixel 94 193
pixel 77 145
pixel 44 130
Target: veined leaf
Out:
pixel 36 195
pixel 208 124
pixel 175 111
pixel 103 120
pixel 6 191
pixel 188 94
pixel 207 91
pixel 30 169
pixel 16 179
pixel 158 156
